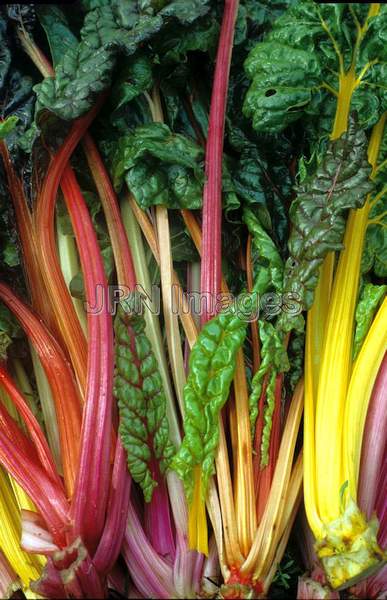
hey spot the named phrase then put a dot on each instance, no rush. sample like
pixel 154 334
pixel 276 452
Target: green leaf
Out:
pixel 56 27
pixel 211 370
pixel 120 26
pixel 296 358
pixel 138 387
pixel 274 360
pixel 370 297
pixel 160 167
pixel 296 67
pixel 283 79
pixel 134 78
pixel 7 126
pixel 318 214
pixel 266 260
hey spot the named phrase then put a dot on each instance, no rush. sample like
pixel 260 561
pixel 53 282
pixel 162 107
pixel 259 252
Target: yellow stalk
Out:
pixel 197 522
pixel 336 367
pixel 360 388
pixel 315 330
pixel 25 566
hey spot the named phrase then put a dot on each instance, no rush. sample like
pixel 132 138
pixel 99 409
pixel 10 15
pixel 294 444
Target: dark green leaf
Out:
pixel 56 27
pixel 318 214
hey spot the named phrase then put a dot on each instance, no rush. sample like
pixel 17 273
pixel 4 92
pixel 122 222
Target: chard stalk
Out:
pixel 60 376
pixel 9 581
pixel 231 541
pixel 69 264
pixel 141 559
pixel 25 565
pixel 187 320
pixel 315 332
pixel 22 465
pixel 36 287
pixel 66 318
pixel 266 535
pixel 93 475
pixel 211 266
pixel 33 428
pixel 375 435
pixel 360 387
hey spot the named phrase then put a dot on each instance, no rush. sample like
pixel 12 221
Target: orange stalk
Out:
pixel 63 386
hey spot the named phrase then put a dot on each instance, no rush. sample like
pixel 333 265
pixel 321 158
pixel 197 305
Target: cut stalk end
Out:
pixel 349 550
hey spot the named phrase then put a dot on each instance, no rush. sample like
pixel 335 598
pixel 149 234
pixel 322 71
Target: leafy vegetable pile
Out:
pixel 193 262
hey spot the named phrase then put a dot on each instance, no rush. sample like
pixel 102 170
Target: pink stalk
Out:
pixel 151 574
pixel 158 524
pixel 92 484
pixel 110 544
pixel 33 427
pixel 118 503
pixel 211 265
pixel 374 439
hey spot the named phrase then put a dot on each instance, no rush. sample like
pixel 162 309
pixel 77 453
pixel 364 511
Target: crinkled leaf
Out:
pixel 266 260
pixel 292 69
pixel 296 358
pixel 370 298
pixel 120 26
pixel 318 214
pixel 160 167
pixel 139 391
pixel 211 369
pixel 274 360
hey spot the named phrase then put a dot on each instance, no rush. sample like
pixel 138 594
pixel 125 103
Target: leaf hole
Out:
pixel 270 92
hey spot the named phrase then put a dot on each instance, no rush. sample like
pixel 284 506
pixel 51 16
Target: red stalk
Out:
pixel 92 485
pixel 211 266
pixel 66 317
pixel 110 543
pixel 45 493
pixel 42 449
pixel 13 432
pixel 60 376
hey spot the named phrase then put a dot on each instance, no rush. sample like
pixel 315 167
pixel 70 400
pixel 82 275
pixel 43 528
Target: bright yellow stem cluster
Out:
pixel 337 392
pixel 27 566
